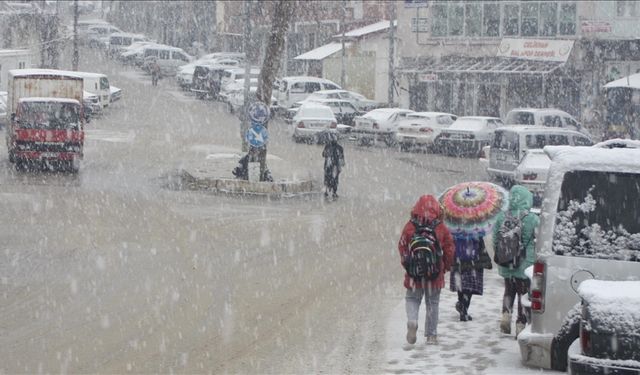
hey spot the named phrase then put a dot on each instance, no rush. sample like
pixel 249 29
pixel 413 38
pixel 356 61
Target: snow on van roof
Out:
pixel 632 81
pixel 47 99
pixel 43 72
pixel 537 129
pixel 538 110
pixel 127 35
pixel 568 158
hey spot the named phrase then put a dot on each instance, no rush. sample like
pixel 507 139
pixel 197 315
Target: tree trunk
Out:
pixel 283 14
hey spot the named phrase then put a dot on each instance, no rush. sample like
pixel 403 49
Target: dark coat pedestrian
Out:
pixel 155 73
pixel 333 155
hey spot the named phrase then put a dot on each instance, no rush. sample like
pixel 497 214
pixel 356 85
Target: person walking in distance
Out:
pixel 155 73
pixel 333 155
pixel 426 253
pixel 513 243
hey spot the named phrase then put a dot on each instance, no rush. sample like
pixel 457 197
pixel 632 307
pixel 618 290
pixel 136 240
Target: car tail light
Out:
pixel 585 339
pixel 301 124
pixel 529 176
pixel 537 287
pixel 333 125
pixel 426 130
pixel 376 126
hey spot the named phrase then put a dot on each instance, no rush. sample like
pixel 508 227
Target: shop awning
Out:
pixel 321 52
pixel 496 65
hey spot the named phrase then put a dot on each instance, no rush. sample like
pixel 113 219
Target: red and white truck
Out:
pixel 46 125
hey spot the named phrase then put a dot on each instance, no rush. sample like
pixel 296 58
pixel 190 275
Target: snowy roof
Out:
pixel 632 81
pixel 14 52
pixel 615 304
pixel 47 99
pixel 369 29
pixel 43 72
pixel 538 129
pixel 321 52
pixel 568 158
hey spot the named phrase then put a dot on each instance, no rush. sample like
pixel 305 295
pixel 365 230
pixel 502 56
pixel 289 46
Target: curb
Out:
pixel 244 187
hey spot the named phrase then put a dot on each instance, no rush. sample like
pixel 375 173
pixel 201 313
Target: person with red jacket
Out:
pixel 426 212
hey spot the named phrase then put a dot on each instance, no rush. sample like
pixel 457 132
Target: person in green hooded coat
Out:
pixel 515 281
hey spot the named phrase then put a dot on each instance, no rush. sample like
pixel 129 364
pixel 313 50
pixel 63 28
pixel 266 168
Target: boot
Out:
pixel 505 323
pixel 412 329
pixel 519 328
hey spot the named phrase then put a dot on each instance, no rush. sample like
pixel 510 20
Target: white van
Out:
pixel 232 75
pixel 549 117
pixel 119 41
pixel 589 229
pixel 290 90
pixel 97 84
pixel 168 58
pixel 510 144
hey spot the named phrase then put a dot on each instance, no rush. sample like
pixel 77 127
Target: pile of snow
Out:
pixel 613 305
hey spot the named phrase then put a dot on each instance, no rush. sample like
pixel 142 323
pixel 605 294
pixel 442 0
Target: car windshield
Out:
pixel 541 140
pixel 599 216
pixel 520 118
pixel 467 124
pixel 104 83
pixel 48 115
pixel 315 111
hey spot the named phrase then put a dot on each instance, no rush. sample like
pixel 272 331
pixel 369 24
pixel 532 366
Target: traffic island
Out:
pixel 214 174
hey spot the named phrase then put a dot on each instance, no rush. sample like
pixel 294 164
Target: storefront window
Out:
pixel 511 19
pixel 491 20
pixel 439 24
pixel 456 19
pixel 530 19
pixel 548 19
pixel 473 20
pixel 567 19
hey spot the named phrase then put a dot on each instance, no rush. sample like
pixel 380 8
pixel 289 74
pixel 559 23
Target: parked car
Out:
pixel 206 80
pixel 609 329
pixel 185 72
pixel 510 143
pixel 235 99
pixel 467 135
pixel 232 74
pixel 133 54
pixel 3 108
pixel 379 125
pixel 119 41
pixel 115 93
pixel 98 35
pixel 290 90
pixel 420 129
pixel 359 101
pixel 311 121
pixel 543 117
pixel 532 173
pixel 589 229
pixel 344 111
pixel 91 105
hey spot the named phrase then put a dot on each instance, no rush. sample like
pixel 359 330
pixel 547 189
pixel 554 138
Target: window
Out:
pixel 164 55
pixel 567 24
pixel 627 8
pixel 330 86
pixel 621 7
pixel 439 16
pixel 530 19
pixel 312 87
pixel 179 56
pixel 508 141
pixel 570 121
pixel 348 108
pixel 104 83
pixel 582 141
pixel 548 19
pixel 491 20
pixel 473 20
pixel 297 88
pixel 558 140
pixel 520 118
pixel 419 24
pixel 456 19
pixel 553 121
pixel 511 24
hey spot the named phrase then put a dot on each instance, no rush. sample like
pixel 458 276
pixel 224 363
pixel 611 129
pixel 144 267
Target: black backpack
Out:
pixel 423 260
pixel 509 250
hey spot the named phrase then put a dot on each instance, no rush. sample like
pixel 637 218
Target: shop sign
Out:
pixel 536 49
pixel 428 77
pixel 593 27
pixel 415 3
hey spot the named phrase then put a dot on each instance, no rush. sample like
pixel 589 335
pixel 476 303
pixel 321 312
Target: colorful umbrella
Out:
pixel 473 206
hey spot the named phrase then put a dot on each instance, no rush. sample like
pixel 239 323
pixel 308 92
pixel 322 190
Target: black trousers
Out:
pixel 513 287
pixel 464 300
pixel 331 180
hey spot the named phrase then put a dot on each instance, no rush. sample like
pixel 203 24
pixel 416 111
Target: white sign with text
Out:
pixel 536 49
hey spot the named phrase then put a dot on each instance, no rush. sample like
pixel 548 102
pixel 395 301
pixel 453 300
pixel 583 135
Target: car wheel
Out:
pixel 404 147
pixel 568 332
pixel 390 141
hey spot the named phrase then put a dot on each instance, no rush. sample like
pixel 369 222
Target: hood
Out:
pixel 427 209
pixel 520 199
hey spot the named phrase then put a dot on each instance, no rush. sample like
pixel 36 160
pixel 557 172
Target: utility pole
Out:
pixel 75 59
pixel 392 16
pixel 244 119
pixel 343 71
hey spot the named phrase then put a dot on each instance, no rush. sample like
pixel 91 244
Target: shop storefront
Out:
pixel 523 73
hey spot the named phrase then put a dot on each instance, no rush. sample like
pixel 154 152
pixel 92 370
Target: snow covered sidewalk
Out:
pixel 475 347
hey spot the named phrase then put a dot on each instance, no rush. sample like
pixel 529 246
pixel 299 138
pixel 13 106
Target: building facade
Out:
pixel 487 57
